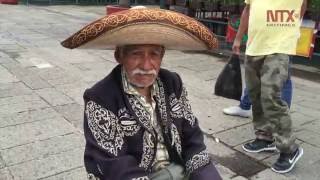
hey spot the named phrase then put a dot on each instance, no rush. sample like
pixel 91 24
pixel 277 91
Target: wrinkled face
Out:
pixel 141 63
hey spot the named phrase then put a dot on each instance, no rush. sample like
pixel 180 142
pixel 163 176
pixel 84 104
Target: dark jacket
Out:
pixel 120 141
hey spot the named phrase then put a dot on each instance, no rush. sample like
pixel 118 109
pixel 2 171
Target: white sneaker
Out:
pixel 237 111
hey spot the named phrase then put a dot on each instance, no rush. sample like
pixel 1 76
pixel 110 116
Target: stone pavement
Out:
pixel 41 86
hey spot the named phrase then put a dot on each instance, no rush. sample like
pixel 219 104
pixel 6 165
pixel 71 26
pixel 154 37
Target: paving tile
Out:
pixel 93 75
pixel 313 126
pixel 48 166
pixel 54 97
pixel 203 88
pixel 3 31
pixel 15 68
pixel 64 80
pixel 4 60
pixel 211 118
pixel 196 62
pixel 307 111
pixel 27 75
pixel 24 62
pixel 238 135
pixel 56 76
pixel 76 94
pixel 74 174
pixel 309 136
pixel 218 149
pixel 14 89
pixel 42 149
pixel 35 82
pixel 209 74
pixel 39 130
pixel 311 104
pixel 73 113
pixel 2 163
pixel 16 104
pixel 224 172
pixel 5 174
pixel 74 90
pixel 299 119
pixel 269 174
pixel 6 76
pixel 28 116
pixel 98 65
pixel 233 160
pixel 2 54
pixel 239 178
pixel 11 47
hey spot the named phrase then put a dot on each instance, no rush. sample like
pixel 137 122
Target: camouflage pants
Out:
pixel 265 76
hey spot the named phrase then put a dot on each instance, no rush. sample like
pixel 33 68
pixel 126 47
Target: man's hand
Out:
pixel 236 46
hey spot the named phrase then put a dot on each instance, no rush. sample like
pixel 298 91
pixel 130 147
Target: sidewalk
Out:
pixel 41 107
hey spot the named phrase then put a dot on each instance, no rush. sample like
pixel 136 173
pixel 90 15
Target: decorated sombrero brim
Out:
pixel 144 26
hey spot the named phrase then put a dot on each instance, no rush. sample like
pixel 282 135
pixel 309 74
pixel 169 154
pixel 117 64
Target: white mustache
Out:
pixel 144 72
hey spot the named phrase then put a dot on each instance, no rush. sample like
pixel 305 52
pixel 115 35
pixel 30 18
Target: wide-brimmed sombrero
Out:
pixel 144 26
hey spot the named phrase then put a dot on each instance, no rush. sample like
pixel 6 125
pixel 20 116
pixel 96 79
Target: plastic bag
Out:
pixel 229 82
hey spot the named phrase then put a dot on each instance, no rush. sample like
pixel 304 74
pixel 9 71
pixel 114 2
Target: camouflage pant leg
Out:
pixel 265 76
pixel 253 85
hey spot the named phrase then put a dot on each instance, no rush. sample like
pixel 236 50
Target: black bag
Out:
pixel 229 82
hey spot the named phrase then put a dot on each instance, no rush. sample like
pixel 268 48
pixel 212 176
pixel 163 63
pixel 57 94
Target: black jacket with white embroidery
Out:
pixel 120 140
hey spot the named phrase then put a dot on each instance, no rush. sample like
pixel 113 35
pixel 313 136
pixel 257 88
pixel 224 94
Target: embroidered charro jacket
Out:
pixel 120 140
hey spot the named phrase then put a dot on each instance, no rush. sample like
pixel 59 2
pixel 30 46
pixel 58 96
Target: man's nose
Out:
pixel 146 62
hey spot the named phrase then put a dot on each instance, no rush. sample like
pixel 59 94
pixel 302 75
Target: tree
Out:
pixel 314 8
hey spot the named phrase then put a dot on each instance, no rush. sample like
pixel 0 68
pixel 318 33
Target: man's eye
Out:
pixel 156 53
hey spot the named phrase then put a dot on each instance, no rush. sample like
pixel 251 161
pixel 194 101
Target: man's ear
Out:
pixel 117 55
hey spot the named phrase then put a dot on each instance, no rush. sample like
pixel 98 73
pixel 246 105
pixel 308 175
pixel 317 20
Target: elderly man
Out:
pixel 138 123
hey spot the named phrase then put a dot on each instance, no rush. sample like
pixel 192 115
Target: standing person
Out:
pixel 138 122
pixel 273 31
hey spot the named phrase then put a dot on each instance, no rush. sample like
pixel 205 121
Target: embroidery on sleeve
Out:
pixel 176 141
pixel 176 107
pixel 181 108
pixel 105 127
pixel 197 161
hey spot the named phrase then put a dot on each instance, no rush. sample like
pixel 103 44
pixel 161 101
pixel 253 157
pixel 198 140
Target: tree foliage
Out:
pixel 314 5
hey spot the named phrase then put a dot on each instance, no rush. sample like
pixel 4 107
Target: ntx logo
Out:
pixel 280 17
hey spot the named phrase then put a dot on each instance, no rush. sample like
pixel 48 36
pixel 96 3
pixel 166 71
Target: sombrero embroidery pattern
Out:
pixel 133 16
